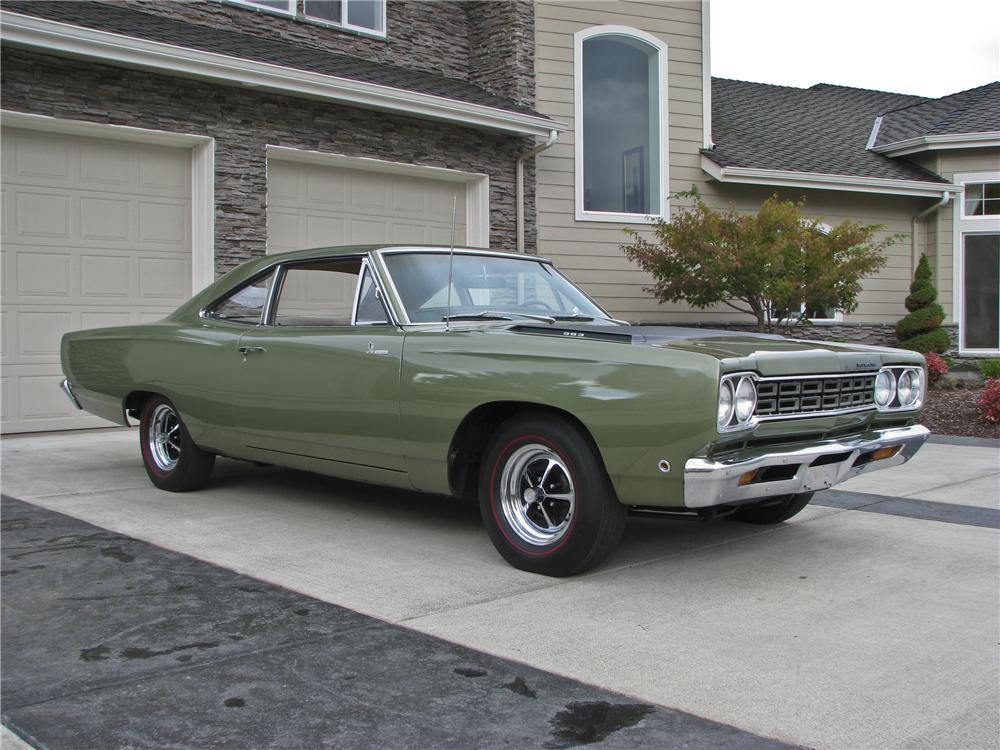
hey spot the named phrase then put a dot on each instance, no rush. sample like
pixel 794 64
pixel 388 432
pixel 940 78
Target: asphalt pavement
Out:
pixel 868 621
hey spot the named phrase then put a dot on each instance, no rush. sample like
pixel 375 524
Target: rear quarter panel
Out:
pixel 189 364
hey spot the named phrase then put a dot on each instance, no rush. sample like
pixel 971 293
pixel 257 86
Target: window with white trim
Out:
pixel 360 15
pixel 620 93
pixel 976 259
pixel 981 199
pixel 281 6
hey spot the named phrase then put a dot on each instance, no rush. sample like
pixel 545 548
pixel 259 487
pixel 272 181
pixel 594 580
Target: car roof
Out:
pixel 325 252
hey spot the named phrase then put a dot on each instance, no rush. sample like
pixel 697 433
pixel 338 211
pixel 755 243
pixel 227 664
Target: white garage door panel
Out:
pixel 312 206
pixel 95 233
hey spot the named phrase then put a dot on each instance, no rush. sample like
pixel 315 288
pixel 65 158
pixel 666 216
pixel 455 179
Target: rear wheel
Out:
pixel 173 462
pixel 773 510
pixel 545 498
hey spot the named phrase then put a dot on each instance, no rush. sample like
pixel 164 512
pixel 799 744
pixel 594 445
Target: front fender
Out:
pixel 641 405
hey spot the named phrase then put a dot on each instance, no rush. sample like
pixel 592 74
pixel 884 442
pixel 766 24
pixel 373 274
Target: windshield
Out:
pixel 486 287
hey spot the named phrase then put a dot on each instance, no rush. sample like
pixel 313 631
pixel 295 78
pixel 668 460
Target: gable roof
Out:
pixel 239 47
pixel 823 129
pixel 976 111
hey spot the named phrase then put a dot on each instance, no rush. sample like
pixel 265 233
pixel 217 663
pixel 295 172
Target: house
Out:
pixel 149 146
pixel 622 75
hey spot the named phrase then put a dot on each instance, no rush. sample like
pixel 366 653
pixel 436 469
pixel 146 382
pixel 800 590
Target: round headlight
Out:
pixel 746 400
pixel 885 388
pixel 725 403
pixel 908 389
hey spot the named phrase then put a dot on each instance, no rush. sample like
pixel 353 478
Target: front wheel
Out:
pixel 774 510
pixel 545 498
pixel 173 462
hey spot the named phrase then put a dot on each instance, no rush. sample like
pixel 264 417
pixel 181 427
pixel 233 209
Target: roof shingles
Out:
pixel 973 111
pixel 822 130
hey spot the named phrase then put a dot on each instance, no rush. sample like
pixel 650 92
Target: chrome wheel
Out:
pixel 537 496
pixel 164 437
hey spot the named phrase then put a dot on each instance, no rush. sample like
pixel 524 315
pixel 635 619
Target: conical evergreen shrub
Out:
pixel 921 330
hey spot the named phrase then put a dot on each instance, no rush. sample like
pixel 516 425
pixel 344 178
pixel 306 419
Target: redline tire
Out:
pixel 172 460
pixel 545 498
pixel 772 511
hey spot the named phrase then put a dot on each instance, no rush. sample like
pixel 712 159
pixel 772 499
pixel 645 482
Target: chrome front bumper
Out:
pixel 728 480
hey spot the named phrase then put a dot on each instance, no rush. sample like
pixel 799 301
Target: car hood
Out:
pixel 768 354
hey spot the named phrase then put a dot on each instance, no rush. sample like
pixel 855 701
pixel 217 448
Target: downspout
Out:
pixel 914 255
pixel 553 137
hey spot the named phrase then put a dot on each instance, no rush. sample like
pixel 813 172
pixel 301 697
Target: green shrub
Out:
pixel 990 368
pixel 935 341
pixel 921 320
pixel 920 331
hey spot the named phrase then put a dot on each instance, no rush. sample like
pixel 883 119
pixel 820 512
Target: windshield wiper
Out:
pixel 494 315
pixel 582 317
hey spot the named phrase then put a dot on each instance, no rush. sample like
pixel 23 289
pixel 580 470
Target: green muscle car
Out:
pixel 478 373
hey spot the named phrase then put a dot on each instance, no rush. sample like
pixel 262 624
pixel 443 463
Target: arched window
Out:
pixel 621 125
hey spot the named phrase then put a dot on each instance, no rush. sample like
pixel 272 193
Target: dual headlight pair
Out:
pixel 737 402
pixel 899 388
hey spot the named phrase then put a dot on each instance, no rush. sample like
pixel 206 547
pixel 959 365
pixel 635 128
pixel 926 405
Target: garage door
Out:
pixel 315 206
pixel 95 233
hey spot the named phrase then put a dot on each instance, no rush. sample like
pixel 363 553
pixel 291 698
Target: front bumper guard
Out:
pixel 743 477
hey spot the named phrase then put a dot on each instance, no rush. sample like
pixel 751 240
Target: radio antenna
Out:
pixel 451 259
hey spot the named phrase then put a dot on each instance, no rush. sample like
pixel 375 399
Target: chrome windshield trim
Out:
pixel 272 295
pixel 383 268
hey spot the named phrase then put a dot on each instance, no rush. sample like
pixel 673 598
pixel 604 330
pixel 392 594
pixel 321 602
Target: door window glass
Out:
pixel 318 294
pixel 370 309
pixel 246 304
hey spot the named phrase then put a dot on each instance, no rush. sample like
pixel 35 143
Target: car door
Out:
pixel 320 378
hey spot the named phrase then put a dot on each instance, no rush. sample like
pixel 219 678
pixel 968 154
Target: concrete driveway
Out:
pixel 863 625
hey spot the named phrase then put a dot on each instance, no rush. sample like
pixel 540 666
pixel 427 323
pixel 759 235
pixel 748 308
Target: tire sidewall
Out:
pixel 597 517
pixel 193 467
pixel 157 474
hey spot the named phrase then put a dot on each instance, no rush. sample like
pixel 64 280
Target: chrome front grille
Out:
pixel 816 395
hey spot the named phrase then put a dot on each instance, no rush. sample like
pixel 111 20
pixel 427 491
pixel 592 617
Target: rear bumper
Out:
pixel 67 388
pixel 729 479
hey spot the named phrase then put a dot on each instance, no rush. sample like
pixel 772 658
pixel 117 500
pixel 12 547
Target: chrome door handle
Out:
pixel 245 350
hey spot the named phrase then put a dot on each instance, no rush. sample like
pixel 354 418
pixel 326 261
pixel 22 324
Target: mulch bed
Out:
pixel 954 411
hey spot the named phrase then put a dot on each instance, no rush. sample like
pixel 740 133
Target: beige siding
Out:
pixel 590 251
pixel 948 164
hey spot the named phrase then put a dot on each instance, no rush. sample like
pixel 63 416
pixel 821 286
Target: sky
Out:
pixel 925 47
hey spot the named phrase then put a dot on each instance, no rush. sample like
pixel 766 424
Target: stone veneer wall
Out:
pixel 502 48
pixel 243 122
pixel 428 36
pixel 488 43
